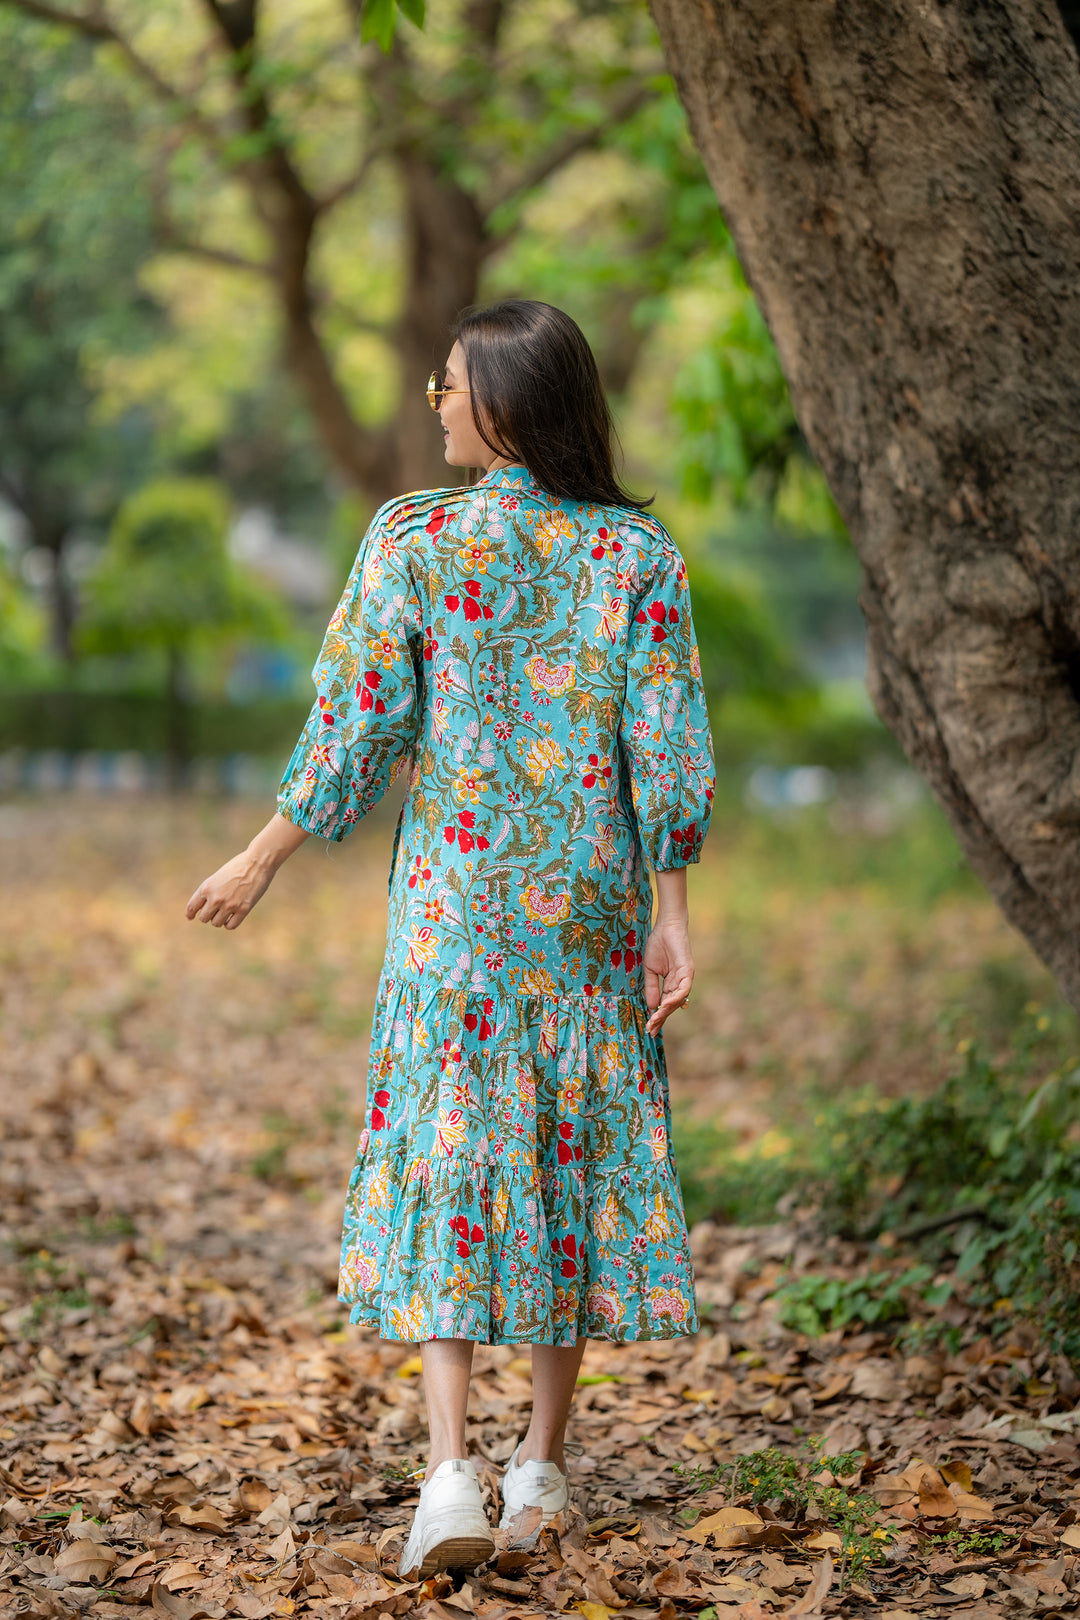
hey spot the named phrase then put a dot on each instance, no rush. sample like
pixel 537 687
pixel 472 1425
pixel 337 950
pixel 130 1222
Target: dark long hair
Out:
pixel 534 378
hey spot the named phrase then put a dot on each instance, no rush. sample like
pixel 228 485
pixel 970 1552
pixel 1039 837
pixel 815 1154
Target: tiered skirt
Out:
pixel 515 1181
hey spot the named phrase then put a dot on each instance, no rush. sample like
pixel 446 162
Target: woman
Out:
pixel 523 647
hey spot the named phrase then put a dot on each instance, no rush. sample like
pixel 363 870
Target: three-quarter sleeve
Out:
pixel 664 731
pixel 362 727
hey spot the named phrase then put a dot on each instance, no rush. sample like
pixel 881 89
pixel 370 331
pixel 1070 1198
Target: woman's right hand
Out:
pixel 224 898
pixel 667 956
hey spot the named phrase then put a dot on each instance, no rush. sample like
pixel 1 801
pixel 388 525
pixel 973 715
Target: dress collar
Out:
pixel 515 476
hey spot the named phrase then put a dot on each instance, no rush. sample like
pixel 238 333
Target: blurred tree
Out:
pixel 165 582
pixel 368 194
pixel 903 184
pixel 22 632
pixel 72 235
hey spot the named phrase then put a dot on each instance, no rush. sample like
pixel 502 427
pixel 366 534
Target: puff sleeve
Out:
pixel 664 730
pixel 362 728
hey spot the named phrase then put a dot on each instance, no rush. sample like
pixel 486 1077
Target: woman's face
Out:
pixel 464 446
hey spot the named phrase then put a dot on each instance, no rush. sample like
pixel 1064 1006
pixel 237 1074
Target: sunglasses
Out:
pixel 437 390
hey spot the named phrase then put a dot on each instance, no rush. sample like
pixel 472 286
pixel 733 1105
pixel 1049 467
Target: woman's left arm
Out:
pixel 225 898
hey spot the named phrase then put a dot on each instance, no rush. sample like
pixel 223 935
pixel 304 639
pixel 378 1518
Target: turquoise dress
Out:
pixel 529 664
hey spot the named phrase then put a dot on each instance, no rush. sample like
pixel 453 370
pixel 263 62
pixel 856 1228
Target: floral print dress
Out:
pixel 531 664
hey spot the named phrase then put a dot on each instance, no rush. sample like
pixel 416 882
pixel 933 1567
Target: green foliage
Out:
pixel 791 1483
pixel 971 1191
pixel 814 1305
pixel 22 629
pixel 742 649
pixel 165 578
pixel 75 230
pixel 732 402
pixel 379 19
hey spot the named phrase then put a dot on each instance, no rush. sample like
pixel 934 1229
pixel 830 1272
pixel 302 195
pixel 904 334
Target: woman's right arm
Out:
pixel 225 898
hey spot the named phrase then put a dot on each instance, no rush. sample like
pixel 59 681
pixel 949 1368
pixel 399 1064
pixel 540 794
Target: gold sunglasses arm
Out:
pixel 435 395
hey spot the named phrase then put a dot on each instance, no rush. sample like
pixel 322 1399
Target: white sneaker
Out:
pixel 533 1484
pixel 450 1530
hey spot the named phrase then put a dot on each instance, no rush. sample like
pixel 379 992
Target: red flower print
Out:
pixel 599 770
pixel 380 1101
pixel 606 547
pixel 366 689
pixel 436 520
pixel 328 716
pixel 564 1152
pixel 471 1021
pixel 466 1235
pixel 463 833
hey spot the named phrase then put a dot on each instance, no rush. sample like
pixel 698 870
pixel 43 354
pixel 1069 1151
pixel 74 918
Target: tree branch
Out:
pixel 626 103
pixel 96 25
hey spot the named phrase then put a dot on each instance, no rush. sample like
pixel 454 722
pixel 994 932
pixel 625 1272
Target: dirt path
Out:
pixel 186 1426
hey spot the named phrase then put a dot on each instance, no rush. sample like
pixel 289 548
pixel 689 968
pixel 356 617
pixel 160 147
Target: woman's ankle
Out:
pixel 440 1455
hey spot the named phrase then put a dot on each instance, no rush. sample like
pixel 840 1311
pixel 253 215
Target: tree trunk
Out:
pixel 177 739
pixel 445 246
pixel 902 181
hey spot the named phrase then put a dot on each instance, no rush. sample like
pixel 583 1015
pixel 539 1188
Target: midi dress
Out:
pixel 531 664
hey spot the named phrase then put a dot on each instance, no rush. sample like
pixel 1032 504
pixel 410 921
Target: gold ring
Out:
pixel 685 1003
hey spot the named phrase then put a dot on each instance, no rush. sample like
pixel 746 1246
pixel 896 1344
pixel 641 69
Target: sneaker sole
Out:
pixel 457 1552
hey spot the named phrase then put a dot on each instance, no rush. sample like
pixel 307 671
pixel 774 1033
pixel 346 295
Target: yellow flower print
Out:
pixel 658 1142
pixel 440 717
pixel 526 1085
pixel 537 982
pixel 378 1194
pixel 383 1064
pixel 669 1302
pixel 498 1302
pixel 500 1209
pixel 603 843
pixel 608 1063
pixel 550 528
pixel 544 755
pixel 657 1225
pixel 459 1284
pixel 548 909
pixel 420 1036
pixel 433 910
pixel 612 620
pixel 408 1324
pixel 450 1131
pixel 372 577
pixel 564 1305
pixel 549 1033
pixel 469 786
pixel 474 554
pixel 605 1302
pixel 423 947
pixel 695 663
pixel 571 1094
pixel 555 679
pixel 606 1220
pixel 659 666
pixel 384 650
pixel 361 1273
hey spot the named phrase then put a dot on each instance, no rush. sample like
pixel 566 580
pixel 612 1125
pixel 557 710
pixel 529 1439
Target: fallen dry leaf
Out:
pixel 730 1527
pixel 82 1561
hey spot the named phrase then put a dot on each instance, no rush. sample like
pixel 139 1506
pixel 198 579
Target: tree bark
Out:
pixel 902 181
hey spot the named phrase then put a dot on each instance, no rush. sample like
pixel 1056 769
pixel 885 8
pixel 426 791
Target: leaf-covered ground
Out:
pixel 186 1425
